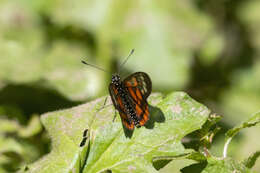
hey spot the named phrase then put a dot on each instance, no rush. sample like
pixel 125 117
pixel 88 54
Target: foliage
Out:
pixel 148 149
pixel 208 49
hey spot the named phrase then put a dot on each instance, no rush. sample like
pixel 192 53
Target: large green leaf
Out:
pixel 109 147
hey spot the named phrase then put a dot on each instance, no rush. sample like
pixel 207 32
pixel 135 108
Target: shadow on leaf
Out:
pixel 156 115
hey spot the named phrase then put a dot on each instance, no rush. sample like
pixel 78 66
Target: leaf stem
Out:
pixel 226 147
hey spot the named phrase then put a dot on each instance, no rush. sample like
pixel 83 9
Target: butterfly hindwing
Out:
pixel 139 87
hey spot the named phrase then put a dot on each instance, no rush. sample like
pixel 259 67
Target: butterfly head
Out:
pixel 115 79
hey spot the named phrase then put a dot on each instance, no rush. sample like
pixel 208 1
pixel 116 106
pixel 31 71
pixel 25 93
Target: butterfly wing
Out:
pixel 118 103
pixel 141 81
pixel 139 87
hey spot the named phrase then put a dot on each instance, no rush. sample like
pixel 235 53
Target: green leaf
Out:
pixel 109 146
pixel 250 161
pixel 255 119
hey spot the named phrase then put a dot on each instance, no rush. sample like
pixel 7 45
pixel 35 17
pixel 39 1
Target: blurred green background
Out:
pixel 209 49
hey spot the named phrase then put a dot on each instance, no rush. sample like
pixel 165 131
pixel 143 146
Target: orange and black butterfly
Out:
pixel 129 97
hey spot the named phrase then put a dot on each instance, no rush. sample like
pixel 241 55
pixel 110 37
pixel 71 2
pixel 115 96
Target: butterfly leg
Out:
pixel 114 116
pixel 104 105
pixel 105 102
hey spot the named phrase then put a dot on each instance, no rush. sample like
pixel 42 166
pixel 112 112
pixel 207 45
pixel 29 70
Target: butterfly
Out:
pixel 129 97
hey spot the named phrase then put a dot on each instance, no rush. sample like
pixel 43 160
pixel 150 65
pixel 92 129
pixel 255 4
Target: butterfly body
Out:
pixel 129 98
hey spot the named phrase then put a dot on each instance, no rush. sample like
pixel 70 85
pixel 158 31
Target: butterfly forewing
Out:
pixel 140 80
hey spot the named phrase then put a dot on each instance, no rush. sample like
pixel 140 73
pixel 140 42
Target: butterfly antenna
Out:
pixel 84 62
pixel 121 65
